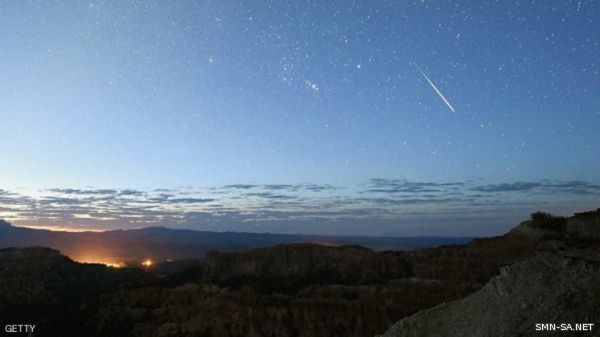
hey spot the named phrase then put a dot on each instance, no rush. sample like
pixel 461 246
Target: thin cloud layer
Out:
pixel 379 206
pixel 544 187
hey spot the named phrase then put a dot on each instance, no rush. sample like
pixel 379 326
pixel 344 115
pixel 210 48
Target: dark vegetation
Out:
pixel 588 215
pixel 548 221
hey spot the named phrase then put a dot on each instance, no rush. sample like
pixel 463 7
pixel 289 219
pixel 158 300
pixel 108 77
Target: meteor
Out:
pixel 435 88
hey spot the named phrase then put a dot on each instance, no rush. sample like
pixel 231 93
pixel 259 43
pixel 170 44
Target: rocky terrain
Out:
pixel 307 290
pixel 558 285
pixel 40 285
pixel 549 288
pixel 543 270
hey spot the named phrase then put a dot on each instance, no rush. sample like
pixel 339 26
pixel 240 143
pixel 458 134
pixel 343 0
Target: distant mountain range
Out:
pixel 160 243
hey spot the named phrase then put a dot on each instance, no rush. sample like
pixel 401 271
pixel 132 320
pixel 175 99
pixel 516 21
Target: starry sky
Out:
pixel 329 117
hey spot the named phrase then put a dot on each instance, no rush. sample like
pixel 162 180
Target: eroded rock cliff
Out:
pixel 559 285
pixel 549 288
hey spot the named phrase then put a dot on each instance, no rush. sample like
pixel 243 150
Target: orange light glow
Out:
pixel 99 261
pixel 147 263
pixel 115 264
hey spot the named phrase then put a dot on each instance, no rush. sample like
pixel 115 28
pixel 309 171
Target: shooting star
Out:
pixel 435 88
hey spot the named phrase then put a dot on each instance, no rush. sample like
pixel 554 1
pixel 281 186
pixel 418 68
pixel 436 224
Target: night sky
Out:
pixel 330 117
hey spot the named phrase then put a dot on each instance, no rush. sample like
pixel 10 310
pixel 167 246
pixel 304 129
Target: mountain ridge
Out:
pixel 162 243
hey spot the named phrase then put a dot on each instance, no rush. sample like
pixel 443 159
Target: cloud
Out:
pixel 63 201
pixel 240 186
pixel 280 187
pixel 131 192
pixel 6 193
pixel 189 200
pixel 269 195
pixel 319 188
pixel 285 206
pixel 507 187
pixel 416 201
pixel 83 192
pixel 543 187
pixel 382 185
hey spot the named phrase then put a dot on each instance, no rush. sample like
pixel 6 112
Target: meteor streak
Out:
pixel 435 88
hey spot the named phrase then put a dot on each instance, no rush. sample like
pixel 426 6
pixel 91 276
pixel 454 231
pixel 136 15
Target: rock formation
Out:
pixel 544 271
pixel 559 285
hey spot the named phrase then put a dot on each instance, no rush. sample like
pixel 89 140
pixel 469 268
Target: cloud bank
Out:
pixel 379 206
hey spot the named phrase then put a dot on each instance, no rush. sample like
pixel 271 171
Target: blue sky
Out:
pixel 191 95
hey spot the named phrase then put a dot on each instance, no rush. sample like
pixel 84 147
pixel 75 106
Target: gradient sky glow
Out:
pixel 198 100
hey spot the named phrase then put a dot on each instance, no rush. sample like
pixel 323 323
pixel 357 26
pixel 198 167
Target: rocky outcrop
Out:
pixel 558 285
pixel 585 225
pixel 549 288
pixel 289 268
pixel 42 286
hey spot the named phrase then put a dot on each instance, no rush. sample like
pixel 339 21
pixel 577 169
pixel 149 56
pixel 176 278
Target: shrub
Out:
pixel 548 221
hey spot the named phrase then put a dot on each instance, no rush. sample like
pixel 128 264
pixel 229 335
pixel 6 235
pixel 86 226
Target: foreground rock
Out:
pixel 549 288
pixel 558 285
